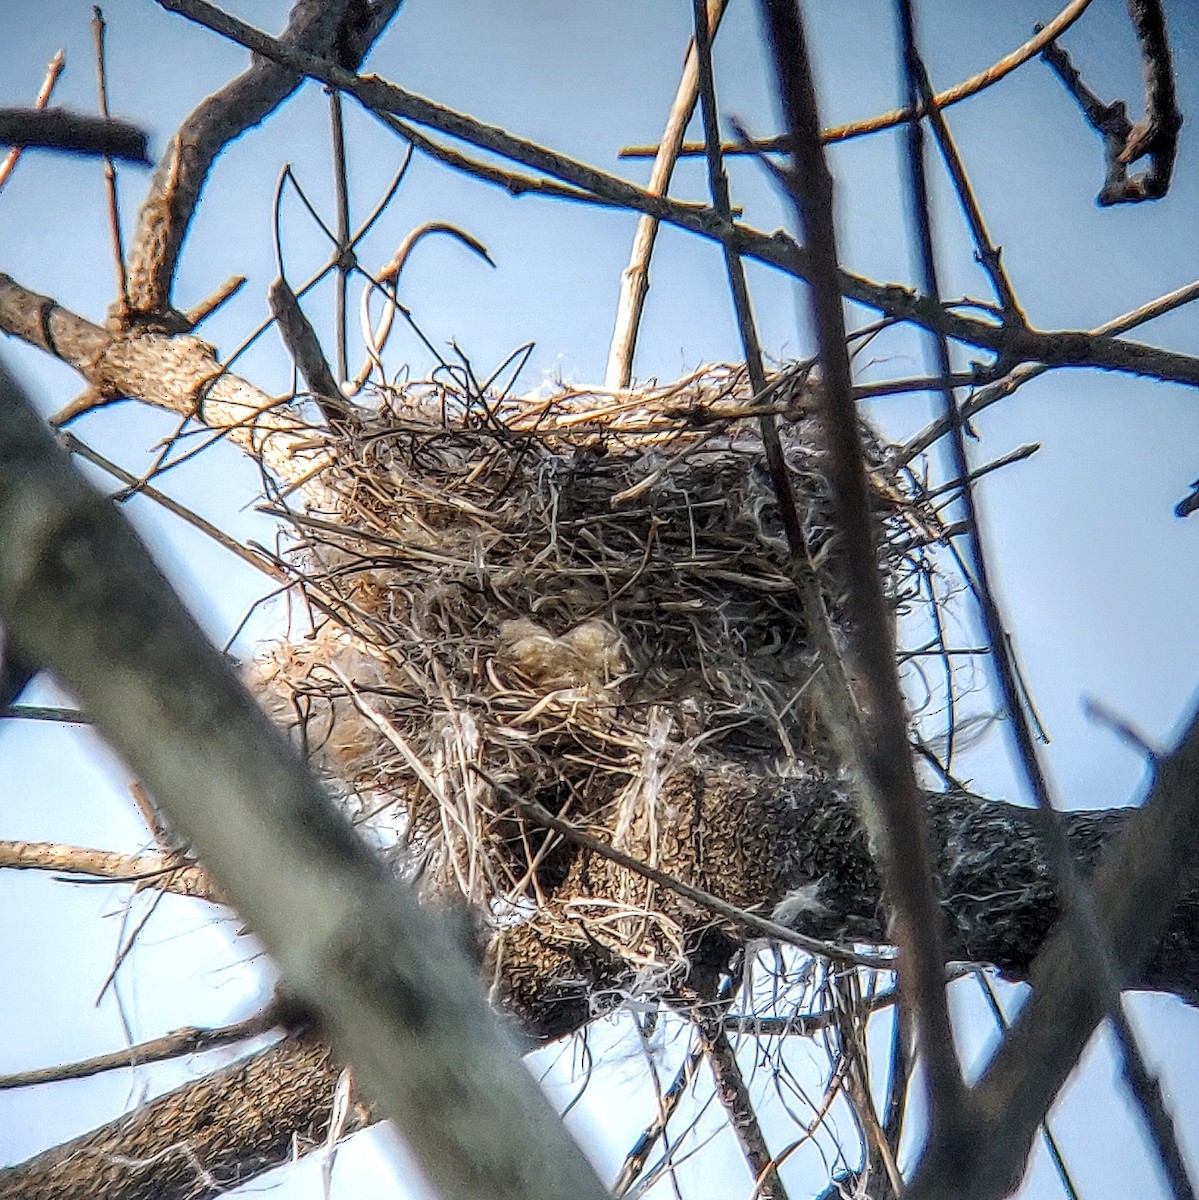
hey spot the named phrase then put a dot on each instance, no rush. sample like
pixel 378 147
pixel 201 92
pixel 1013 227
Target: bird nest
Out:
pixel 570 598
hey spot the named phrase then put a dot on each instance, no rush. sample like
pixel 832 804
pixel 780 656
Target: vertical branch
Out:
pixel 634 280
pixel 891 807
pixel 841 710
pixel 316 27
pixel 345 254
pixel 110 174
pixel 1076 898
pixel 734 1095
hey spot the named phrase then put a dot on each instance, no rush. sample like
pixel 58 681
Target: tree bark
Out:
pixel 760 840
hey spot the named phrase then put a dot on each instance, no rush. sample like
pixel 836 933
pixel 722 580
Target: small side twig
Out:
pixel 189 1040
pixel 110 174
pixel 1042 36
pixel 53 71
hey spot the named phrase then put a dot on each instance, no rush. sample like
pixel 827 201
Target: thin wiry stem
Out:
pixel 1076 897
pixel 892 815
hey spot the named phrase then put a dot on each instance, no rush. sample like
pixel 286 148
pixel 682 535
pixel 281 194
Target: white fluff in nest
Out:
pixel 799 902
pixel 590 654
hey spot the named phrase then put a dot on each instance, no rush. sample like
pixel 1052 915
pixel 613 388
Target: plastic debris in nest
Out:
pixel 523 589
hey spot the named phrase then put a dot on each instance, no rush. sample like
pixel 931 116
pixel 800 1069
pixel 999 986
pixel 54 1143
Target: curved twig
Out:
pixel 889 120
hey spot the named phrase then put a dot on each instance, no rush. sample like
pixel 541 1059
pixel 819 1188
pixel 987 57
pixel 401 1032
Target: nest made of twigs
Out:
pixel 573 595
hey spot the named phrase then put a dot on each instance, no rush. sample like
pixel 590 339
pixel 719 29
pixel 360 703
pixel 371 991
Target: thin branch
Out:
pixel 189 1040
pixel 53 70
pixel 738 1104
pixel 345 254
pixel 1081 919
pixel 304 347
pixel 634 280
pixel 161 872
pixel 988 395
pixel 668 1105
pixel 1043 36
pixel 989 255
pixel 138 486
pixel 1123 142
pixel 110 174
pixel 315 26
pixel 891 812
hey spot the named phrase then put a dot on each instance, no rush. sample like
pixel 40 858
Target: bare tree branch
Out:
pixel 163 872
pixel 1060 348
pixel 634 280
pixel 1136 890
pixel 172 1045
pixel 317 27
pixel 1123 142
pixel 1043 36
pixel 396 991
pixel 227 1127
pixel 57 129
pixel 53 71
pixel 891 811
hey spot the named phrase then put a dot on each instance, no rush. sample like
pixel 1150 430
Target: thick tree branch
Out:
pixel 197 1140
pixel 387 976
pixel 996 892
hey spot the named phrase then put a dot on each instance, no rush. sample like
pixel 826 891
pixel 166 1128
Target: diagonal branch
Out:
pixel 591 185
pixel 230 1125
pixel 396 991
pixel 1076 898
pixel 634 280
pixel 1136 890
pixel 317 27
pixel 190 1040
pixel 1043 36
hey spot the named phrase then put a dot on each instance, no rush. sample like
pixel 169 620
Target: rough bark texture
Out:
pixel 753 841
pixel 747 839
pixel 199 1139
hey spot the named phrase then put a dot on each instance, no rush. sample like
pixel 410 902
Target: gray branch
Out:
pixel 393 988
